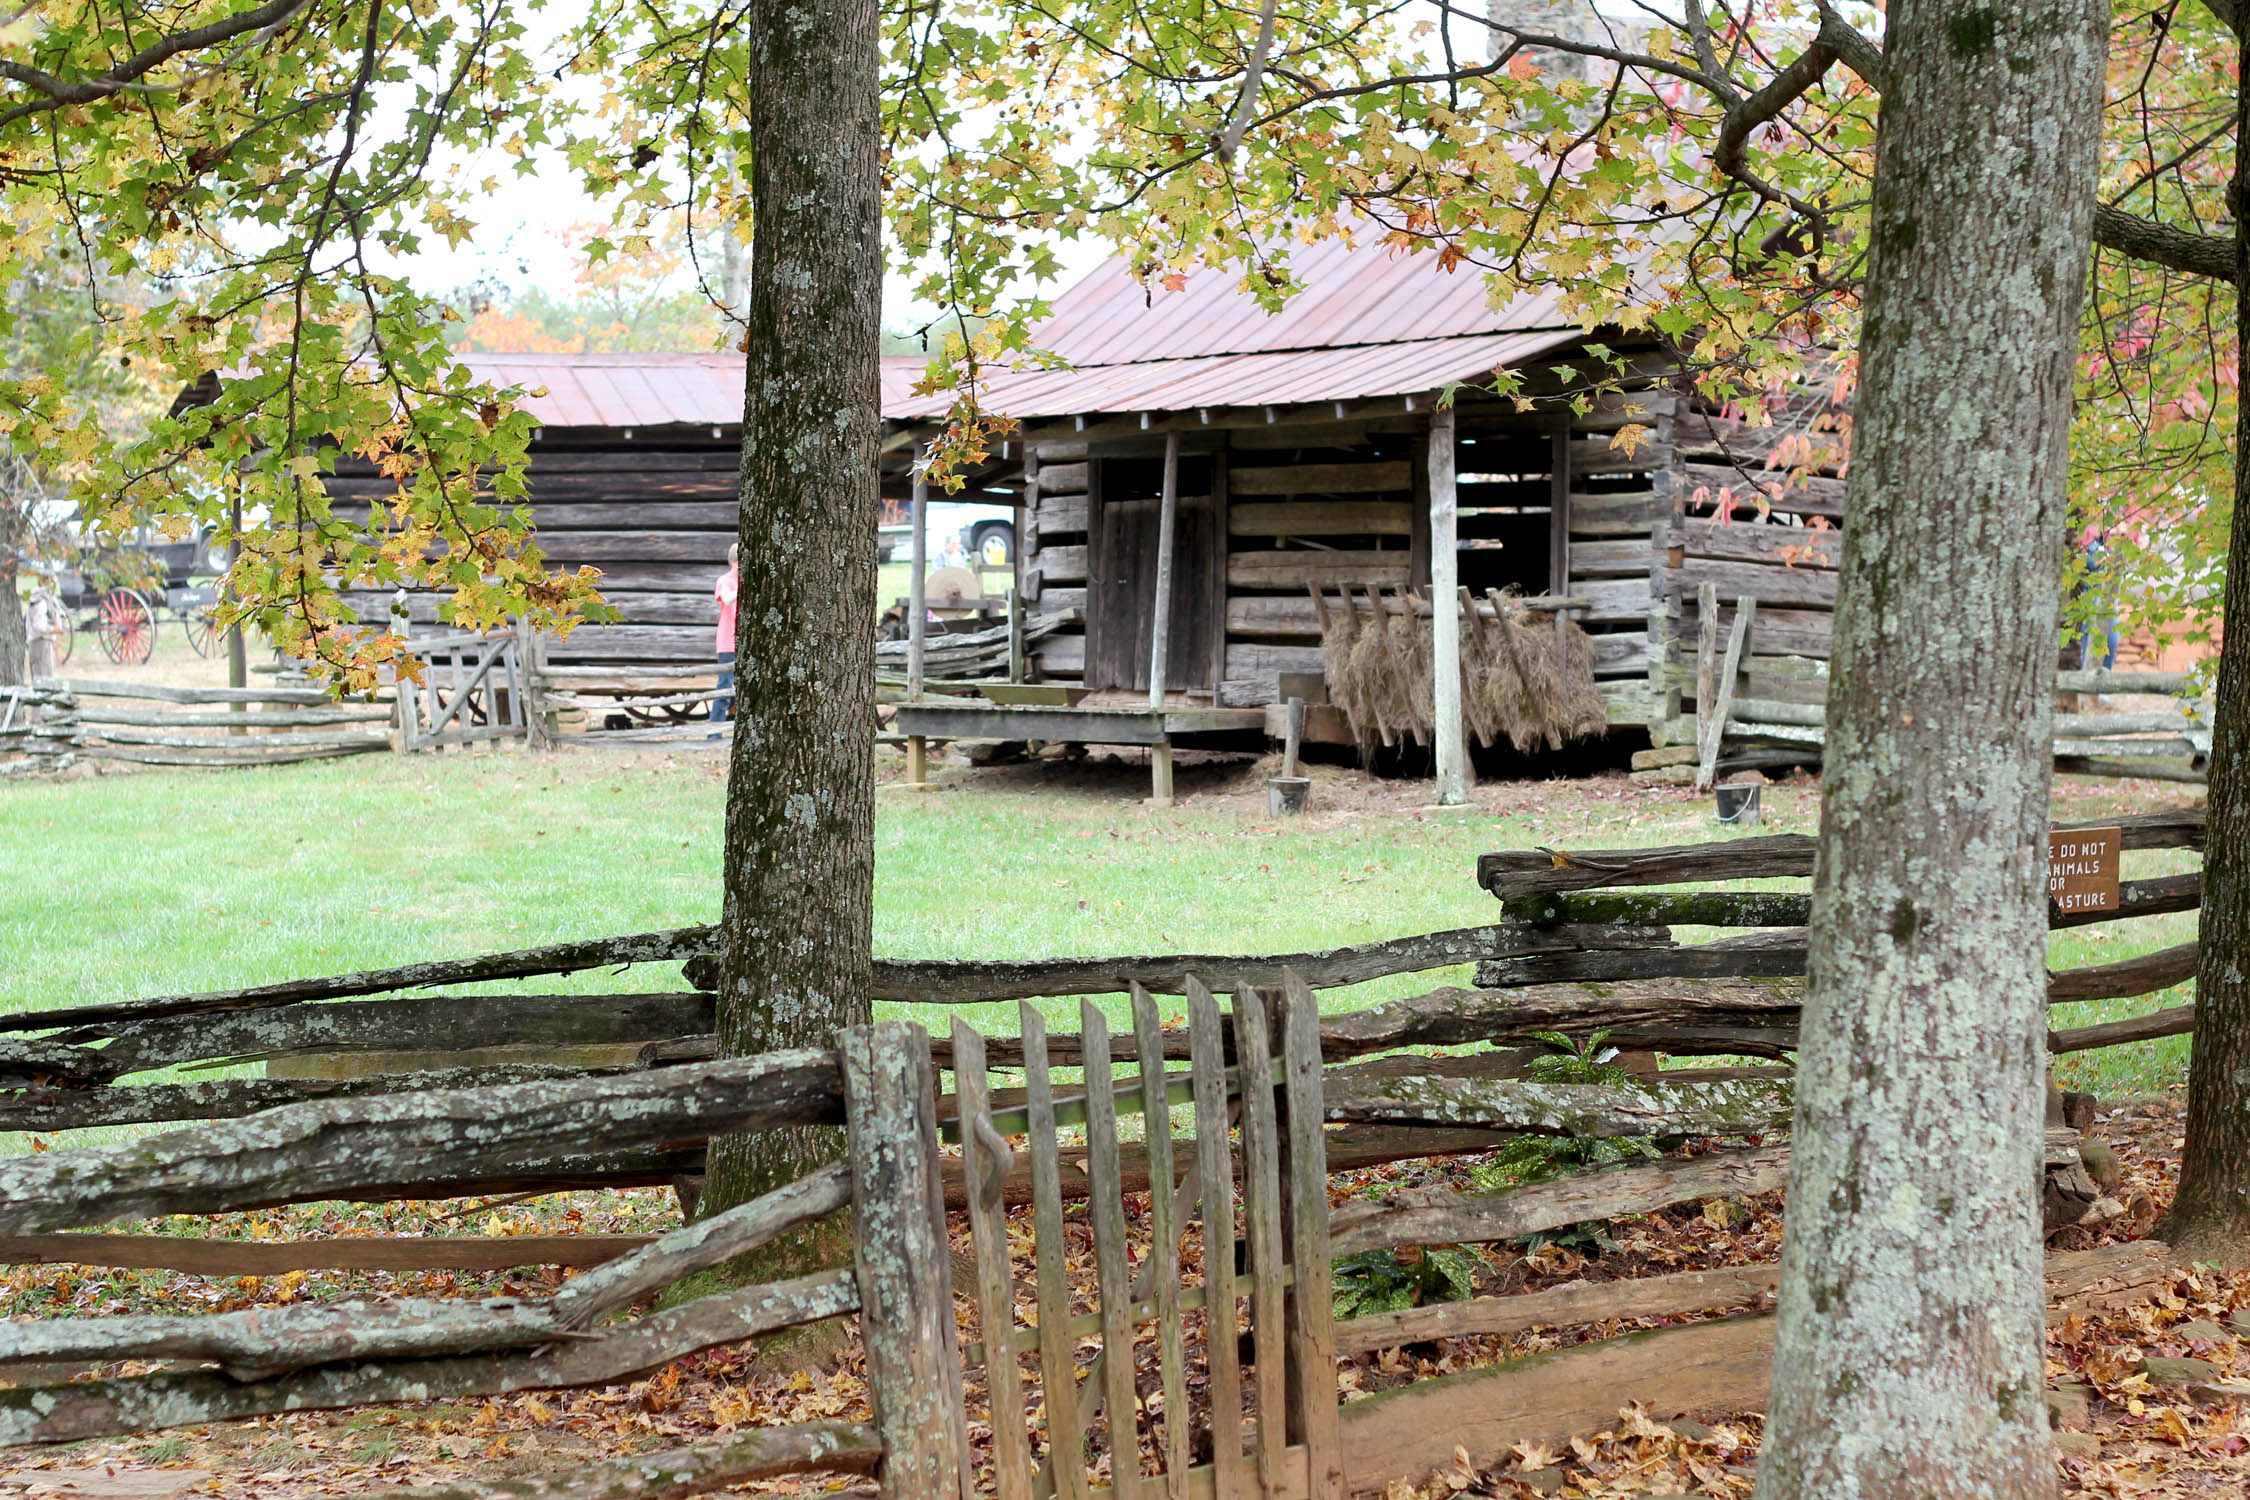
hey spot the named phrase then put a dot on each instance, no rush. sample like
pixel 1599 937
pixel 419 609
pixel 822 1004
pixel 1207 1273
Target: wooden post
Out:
pixel 1167 523
pixel 1706 660
pixel 1293 732
pixel 1015 634
pixel 1445 617
pixel 1738 645
pixel 917 612
pixel 1160 773
pixel 1558 513
pixel 904 1268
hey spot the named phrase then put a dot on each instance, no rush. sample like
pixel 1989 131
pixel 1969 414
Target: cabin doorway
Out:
pixel 1121 587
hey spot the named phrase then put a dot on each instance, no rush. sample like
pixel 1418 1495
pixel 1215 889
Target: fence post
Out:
pixel 905 1273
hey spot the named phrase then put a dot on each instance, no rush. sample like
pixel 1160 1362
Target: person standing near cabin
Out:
pixel 726 590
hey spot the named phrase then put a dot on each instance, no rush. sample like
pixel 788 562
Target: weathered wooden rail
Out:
pixel 209 727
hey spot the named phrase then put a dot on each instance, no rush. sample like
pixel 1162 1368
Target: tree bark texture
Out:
pixel 14 645
pixel 1909 1363
pixel 2210 1219
pixel 797 926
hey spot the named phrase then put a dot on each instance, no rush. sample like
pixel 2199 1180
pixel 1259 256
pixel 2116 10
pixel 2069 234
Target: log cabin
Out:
pixel 1309 449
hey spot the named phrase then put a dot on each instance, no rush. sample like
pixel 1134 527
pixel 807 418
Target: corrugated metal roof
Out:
pixel 645 390
pixel 1370 322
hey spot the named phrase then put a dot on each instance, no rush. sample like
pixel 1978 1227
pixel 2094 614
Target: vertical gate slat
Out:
pixel 996 1302
pixel 1312 1330
pixel 1058 1376
pixel 1261 1191
pixel 1215 1170
pixel 1112 1269
pixel 1164 1240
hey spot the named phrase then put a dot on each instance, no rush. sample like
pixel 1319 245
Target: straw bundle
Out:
pixel 1523 677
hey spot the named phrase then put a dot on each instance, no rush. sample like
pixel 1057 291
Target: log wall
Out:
pixel 656 515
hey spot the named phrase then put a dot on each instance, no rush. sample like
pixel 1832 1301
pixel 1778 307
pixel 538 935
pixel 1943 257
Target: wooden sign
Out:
pixel 2082 868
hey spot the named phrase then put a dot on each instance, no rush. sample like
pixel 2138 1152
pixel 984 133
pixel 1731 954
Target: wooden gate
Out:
pixel 472 689
pixel 1289 1444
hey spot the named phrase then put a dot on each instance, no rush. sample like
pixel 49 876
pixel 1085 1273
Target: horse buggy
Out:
pixel 121 595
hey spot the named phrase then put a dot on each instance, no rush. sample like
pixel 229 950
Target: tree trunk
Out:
pixel 797 926
pixel 2210 1219
pixel 13 645
pixel 1910 1354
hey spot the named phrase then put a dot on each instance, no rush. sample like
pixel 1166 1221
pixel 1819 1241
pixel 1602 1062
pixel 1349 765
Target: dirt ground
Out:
pixel 2122 1432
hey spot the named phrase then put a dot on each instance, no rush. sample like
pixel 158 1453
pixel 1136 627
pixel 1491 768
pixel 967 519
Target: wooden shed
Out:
pixel 1310 450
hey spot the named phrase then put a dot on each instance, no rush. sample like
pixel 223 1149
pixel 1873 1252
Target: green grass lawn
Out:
pixel 160 882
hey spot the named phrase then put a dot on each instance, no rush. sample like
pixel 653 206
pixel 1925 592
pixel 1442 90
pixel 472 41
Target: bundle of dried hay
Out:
pixel 1522 678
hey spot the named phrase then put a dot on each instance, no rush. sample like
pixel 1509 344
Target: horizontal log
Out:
pixel 2181 747
pixel 1809 496
pixel 1736 443
pixel 1603 456
pixel 1532 872
pixel 2166 683
pixel 2145 770
pixel 107 1408
pixel 1803 588
pixel 52 1059
pixel 411 1252
pixel 52 1109
pixel 1304 567
pixel 2141 975
pixel 1755 955
pixel 294 718
pixel 1065 564
pixel 1635 513
pixel 2136 898
pixel 422 1023
pixel 567 549
pixel 1059 516
pixel 555 958
pixel 1320 518
pixel 325 1149
pixel 1749 1107
pixel 1321 479
pixel 722 1463
pixel 1063 478
pixel 1456 1017
pixel 262 743
pixel 223 753
pixel 946 982
pixel 1439 1216
pixel 1628 557
pixel 1777 632
pixel 92 688
pixel 2174 1020
pixel 1624 1301
pixel 1755 542
pixel 1257 662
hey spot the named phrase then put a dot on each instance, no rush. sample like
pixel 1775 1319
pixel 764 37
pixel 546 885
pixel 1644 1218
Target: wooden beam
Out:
pixel 1715 732
pixel 917 609
pixel 1445 619
pixel 1167 527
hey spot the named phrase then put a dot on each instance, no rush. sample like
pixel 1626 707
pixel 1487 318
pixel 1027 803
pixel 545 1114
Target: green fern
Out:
pixel 1377 1281
pixel 1535 1158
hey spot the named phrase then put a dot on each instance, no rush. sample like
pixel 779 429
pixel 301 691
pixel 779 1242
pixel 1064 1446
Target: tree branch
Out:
pixel 60 91
pixel 1254 69
pixel 2228 12
pixel 2161 244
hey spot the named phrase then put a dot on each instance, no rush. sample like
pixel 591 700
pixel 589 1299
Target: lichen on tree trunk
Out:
pixel 1909 1362
pixel 2210 1218
pixel 799 878
pixel 13 640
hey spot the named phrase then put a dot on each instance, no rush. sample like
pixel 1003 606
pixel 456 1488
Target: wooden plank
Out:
pixel 1323 479
pixel 1320 518
pixel 1593 456
pixel 1790 632
pixel 86 687
pixel 986 1160
pixel 1312 1336
pixel 1302 568
pixel 1258 662
pixel 569 549
pixel 1613 600
pixel 1058 1371
pixel 1112 1265
pixel 1808 496
pixel 1066 564
pixel 1626 558
pixel 1738 641
pixel 1058 515
pixel 901 1259
pixel 1706 665
pixel 699 1468
pixel 1160 609
pixel 1443 1217
pixel 419 1252
pixel 1164 1249
pixel 1215 1194
pixel 1754 542
pixel 2176 1020
pixel 1737 443
pixel 1063 479
pixel 1625 514
pixel 1788 587
pixel 1261 1191
pixel 1677 1295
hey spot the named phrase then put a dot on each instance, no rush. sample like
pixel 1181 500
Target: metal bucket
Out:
pixel 1738 803
pixel 1286 795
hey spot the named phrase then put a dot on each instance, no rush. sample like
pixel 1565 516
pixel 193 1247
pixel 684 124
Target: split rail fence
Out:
pixel 152 724
pixel 1275 1096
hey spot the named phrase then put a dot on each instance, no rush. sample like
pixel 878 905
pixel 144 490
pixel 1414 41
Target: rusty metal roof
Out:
pixel 644 390
pixel 1370 322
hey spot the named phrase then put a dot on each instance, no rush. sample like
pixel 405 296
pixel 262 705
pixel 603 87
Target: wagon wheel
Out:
pixel 127 627
pixel 64 639
pixel 202 624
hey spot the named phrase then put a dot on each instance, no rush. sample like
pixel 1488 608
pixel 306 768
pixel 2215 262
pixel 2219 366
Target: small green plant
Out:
pixel 1379 1281
pixel 1535 1158
pixel 166 1451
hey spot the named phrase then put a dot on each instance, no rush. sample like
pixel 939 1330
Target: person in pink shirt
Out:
pixel 725 591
